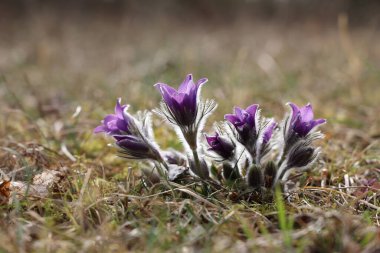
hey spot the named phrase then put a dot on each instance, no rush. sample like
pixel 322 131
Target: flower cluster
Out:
pixel 247 148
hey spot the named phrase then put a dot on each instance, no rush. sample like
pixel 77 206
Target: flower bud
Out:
pixel 202 170
pixel 230 172
pixel 255 177
pixel 270 171
pixel 221 145
pixel 300 156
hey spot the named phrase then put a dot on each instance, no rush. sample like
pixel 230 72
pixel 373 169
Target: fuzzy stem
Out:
pixel 252 152
pixel 191 139
pixel 197 163
pixel 198 171
pixel 280 173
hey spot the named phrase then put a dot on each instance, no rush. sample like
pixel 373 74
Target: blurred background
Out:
pixel 58 55
pixel 64 63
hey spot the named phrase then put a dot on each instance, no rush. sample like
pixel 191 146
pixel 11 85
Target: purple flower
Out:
pixel 302 120
pixel 130 135
pixel 136 147
pixel 133 143
pixel 182 104
pixel 268 132
pixel 114 124
pixel 221 146
pixel 301 156
pixel 244 121
pixel 263 147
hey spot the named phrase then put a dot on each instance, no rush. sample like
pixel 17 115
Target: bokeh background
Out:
pixel 57 55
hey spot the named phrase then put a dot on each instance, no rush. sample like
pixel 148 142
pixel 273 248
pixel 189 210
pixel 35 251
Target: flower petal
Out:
pixel 179 97
pixel 167 93
pixel 268 132
pixel 231 118
pixel 252 109
pixel 133 143
pixel 164 88
pixel 316 122
pixel 99 129
pixel 119 109
pixel 295 110
pixel 307 113
pixel 122 125
pixel 239 113
pixel 187 84
pixel 110 122
pixel 210 140
pixel 202 81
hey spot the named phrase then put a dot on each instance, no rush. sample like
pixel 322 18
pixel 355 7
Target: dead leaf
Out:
pixel 5 192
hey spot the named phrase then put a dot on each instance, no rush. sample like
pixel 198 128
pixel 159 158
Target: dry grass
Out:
pixel 101 205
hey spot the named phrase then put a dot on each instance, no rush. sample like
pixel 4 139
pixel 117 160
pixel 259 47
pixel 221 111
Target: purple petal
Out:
pixel 307 113
pixel 220 145
pixel 202 81
pixel 133 143
pixel 316 122
pixel 164 88
pixel 189 103
pixel 167 93
pixel 211 140
pixel 179 98
pixel 110 117
pixel 231 118
pixel 122 125
pixel 252 109
pixel 119 109
pixel 99 129
pixel 295 110
pixel 187 84
pixel 268 132
pixel 302 119
pixel 193 96
pixel 110 122
pixel 301 128
pixel 239 113
pixel 320 121
pixel 118 137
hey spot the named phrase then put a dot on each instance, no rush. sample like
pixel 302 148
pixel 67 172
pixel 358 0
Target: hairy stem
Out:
pixel 197 163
